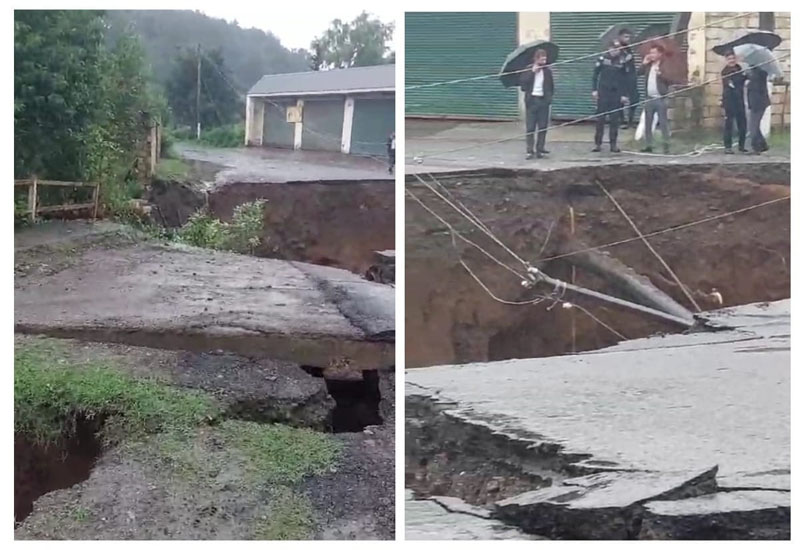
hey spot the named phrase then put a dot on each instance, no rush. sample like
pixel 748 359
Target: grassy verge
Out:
pixel 172 168
pixel 290 517
pixel 51 393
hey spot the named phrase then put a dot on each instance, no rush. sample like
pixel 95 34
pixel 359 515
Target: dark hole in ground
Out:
pixel 39 469
pixel 357 401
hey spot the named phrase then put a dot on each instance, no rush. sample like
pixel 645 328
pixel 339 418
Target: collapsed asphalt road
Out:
pixel 667 437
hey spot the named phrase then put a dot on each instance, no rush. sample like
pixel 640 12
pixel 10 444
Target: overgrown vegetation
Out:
pixel 242 234
pixel 52 392
pixel 231 135
pixel 81 108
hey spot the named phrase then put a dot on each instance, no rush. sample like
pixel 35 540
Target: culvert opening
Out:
pixel 41 468
pixel 357 401
pixel 551 219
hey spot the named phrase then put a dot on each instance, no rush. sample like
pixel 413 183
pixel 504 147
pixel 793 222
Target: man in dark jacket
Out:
pixel 733 80
pixel 537 85
pixel 629 61
pixel 757 101
pixel 657 88
pixel 609 86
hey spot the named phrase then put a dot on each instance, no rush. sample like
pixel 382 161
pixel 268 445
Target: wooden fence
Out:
pixel 33 197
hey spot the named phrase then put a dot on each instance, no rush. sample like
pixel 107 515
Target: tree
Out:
pixel 81 110
pixel 220 98
pixel 359 43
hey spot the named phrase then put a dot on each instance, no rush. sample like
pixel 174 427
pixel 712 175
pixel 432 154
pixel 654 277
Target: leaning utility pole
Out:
pixel 197 106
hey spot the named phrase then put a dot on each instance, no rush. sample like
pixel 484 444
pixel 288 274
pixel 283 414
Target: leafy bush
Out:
pixel 231 135
pixel 242 234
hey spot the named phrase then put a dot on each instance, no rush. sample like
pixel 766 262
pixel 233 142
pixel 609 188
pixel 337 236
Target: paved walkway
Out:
pixel 438 146
pixel 260 164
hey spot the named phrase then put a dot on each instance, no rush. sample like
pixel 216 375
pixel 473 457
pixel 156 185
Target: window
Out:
pixel 766 20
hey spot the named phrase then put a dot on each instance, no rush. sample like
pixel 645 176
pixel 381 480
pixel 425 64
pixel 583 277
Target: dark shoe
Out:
pixel 545 151
pixel 615 149
pixel 596 149
pixel 728 151
pixel 528 156
pixel 624 126
pixel 743 150
pixel 539 155
pixel 647 149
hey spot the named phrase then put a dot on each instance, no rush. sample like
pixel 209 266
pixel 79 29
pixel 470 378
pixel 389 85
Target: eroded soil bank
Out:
pixel 336 223
pixel 271 451
pixel 450 319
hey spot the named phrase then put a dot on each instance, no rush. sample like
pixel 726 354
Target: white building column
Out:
pixel 254 122
pixel 298 127
pixel 347 125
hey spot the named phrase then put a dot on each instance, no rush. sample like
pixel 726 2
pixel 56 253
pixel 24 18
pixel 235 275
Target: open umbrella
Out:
pixel 674 66
pixel 650 32
pixel 758 56
pixel 768 40
pixel 522 57
pixel 608 36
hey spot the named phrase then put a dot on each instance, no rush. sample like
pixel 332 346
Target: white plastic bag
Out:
pixel 639 135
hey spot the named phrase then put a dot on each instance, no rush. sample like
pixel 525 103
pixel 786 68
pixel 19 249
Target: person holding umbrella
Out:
pixel 537 85
pixel 758 101
pixel 628 59
pixel 610 85
pixel 657 86
pixel 733 80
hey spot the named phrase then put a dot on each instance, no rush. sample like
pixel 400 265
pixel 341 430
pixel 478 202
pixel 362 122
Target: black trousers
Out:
pixel 604 105
pixel 631 109
pixel 735 113
pixel 537 116
pixel 757 140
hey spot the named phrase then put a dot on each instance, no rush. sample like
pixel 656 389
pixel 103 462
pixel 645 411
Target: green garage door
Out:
pixel 322 124
pixel 373 123
pixel 278 132
pixel 447 46
pixel 577 34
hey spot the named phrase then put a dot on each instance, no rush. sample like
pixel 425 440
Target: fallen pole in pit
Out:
pixel 567 290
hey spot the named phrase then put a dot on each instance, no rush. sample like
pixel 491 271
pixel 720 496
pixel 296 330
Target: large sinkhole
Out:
pixel 40 468
pixel 551 217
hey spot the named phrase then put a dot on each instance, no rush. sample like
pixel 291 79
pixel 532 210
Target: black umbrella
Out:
pixel 608 36
pixel 768 40
pixel 522 57
pixel 656 30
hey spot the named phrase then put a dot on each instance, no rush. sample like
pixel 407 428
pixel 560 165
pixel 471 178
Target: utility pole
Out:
pixel 197 107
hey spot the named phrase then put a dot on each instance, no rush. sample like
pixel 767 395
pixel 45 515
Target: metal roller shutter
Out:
pixel 373 122
pixel 577 34
pixel 322 124
pixel 278 132
pixel 451 45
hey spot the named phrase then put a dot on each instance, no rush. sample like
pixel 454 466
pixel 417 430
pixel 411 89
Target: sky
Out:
pixel 296 27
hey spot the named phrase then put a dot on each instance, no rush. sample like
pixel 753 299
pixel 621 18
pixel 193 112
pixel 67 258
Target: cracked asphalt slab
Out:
pixel 178 297
pixel 665 406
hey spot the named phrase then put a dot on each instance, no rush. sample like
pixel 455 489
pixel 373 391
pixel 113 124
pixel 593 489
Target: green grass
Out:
pixel 290 517
pixel 228 136
pixel 51 392
pixel 172 168
pixel 278 454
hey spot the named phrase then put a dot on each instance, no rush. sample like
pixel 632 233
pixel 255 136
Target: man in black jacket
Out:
pixel 609 89
pixel 733 80
pixel 633 86
pixel 657 87
pixel 757 101
pixel 537 85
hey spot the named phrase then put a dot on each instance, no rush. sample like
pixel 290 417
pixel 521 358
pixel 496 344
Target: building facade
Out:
pixel 460 46
pixel 343 110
